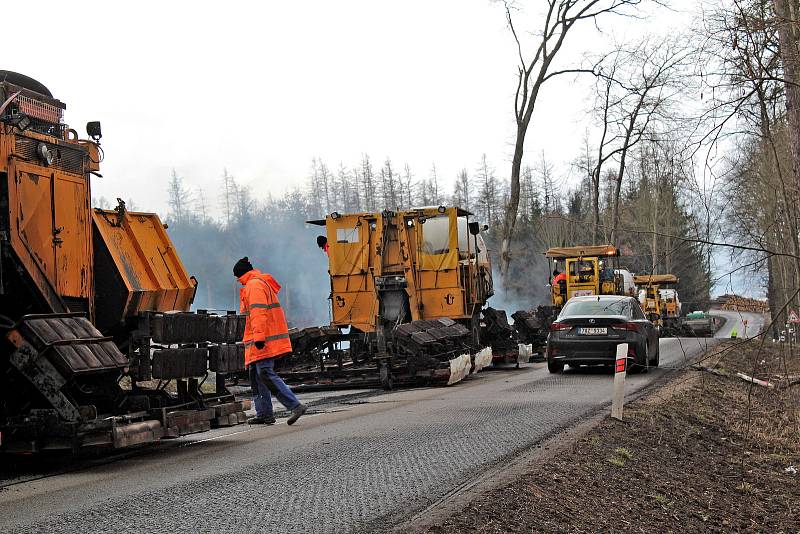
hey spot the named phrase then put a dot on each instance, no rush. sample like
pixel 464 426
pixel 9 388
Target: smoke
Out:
pixel 511 299
pixel 283 246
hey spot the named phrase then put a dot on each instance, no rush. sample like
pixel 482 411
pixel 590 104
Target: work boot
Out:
pixel 297 413
pixel 261 420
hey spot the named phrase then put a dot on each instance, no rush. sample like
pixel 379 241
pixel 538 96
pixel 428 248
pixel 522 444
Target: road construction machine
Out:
pixel 98 345
pixel 407 290
pixel 577 271
pixel 659 303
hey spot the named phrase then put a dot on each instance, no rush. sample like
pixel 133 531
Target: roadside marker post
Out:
pixel 618 397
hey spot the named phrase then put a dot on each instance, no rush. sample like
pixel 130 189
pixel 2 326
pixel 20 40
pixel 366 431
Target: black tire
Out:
pixel 554 367
pixel 654 361
pixel 641 361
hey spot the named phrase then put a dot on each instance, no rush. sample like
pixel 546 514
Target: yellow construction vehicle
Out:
pixel 584 270
pixel 659 304
pixel 580 270
pixel 407 289
pixel 93 303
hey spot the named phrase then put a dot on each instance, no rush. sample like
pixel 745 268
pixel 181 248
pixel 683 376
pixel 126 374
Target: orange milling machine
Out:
pixel 99 347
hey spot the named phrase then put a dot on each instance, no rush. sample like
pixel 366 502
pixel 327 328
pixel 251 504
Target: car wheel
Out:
pixel 554 367
pixel 656 356
pixel 641 360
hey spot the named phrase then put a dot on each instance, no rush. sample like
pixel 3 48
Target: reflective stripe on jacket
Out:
pixel 265 319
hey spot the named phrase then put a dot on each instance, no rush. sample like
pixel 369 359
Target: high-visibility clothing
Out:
pixel 559 277
pixel 265 319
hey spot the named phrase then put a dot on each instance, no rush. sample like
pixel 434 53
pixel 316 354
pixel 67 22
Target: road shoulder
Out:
pixel 685 458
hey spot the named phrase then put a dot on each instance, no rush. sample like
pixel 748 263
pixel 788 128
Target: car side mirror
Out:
pixel 474 228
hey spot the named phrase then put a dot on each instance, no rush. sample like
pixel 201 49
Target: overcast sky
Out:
pixel 262 87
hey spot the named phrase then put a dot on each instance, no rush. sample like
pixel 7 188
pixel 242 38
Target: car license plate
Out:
pixel 592 331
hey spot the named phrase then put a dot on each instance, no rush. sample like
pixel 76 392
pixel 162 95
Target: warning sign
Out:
pixel 793 318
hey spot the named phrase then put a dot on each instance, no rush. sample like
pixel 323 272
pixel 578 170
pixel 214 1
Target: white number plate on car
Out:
pixel 592 331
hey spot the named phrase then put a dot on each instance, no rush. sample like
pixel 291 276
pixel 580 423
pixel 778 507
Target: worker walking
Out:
pixel 266 337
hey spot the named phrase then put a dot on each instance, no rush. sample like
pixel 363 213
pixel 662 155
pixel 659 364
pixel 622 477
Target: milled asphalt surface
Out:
pixel 361 465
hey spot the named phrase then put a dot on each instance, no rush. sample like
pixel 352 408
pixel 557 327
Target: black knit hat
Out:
pixel 322 241
pixel 242 267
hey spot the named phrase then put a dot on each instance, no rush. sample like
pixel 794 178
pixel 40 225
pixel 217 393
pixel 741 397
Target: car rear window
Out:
pixel 596 307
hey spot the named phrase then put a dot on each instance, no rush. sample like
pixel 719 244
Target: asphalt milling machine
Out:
pixel 99 348
pixel 408 296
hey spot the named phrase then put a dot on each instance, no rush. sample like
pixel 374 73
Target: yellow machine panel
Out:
pixel 422 247
pixel 138 268
pixel 48 217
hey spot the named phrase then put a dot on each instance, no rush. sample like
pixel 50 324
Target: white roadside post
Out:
pixel 618 398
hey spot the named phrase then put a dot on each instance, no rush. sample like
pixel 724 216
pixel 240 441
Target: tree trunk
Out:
pixel 789 38
pixel 513 202
pixel 618 192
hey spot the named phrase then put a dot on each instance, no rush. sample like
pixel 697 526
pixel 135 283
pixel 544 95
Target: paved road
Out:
pixel 754 323
pixel 362 465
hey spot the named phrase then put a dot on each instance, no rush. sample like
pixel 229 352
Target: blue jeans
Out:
pixel 265 383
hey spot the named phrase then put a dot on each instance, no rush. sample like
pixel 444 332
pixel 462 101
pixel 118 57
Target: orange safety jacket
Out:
pixel 265 319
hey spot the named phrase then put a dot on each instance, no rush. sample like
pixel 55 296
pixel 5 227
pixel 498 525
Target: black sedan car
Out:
pixel 589 328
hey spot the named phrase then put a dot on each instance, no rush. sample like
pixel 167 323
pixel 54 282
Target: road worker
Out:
pixel 734 333
pixel 266 337
pixel 322 243
pixel 560 282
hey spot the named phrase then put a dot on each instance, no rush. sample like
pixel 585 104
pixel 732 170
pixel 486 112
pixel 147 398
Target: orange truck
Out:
pixel 99 348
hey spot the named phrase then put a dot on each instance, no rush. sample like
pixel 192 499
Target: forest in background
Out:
pixel 273 231
pixel 693 155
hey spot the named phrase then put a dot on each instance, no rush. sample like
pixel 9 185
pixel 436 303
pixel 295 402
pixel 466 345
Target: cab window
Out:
pixel 583 269
pixel 347 235
pixel 436 235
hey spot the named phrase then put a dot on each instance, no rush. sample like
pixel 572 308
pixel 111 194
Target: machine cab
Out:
pixel 584 270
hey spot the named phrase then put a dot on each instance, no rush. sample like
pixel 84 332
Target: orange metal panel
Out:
pixel 448 302
pixel 146 261
pixel 73 228
pixel 33 218
pixel 357 308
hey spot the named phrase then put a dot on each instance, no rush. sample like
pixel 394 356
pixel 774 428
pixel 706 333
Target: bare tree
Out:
pixel 368 183
pixel 179 199
pixel 463 190
pixel 534 70
pixel 487 193
pixel 229 195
